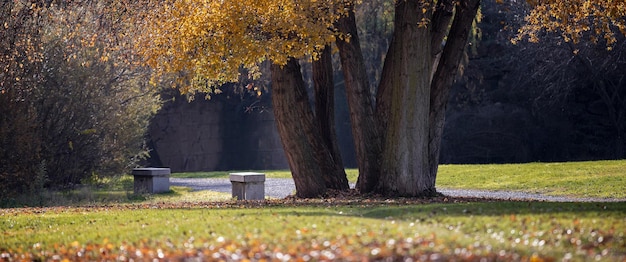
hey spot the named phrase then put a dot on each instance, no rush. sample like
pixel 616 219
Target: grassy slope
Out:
pixel 507 229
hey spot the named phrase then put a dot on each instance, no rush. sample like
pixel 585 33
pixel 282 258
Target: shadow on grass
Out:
pixel 451 210
pixel 494 209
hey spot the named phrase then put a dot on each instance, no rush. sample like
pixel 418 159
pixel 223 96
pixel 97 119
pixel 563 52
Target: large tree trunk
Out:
pixel 308 157
pixel 439 28
pixel 367 138
pixel 409 114
pixel 325 117
pixel 405 163
pixel 445 75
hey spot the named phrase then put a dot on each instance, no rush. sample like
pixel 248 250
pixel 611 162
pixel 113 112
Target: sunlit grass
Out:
pixel 600 179
pixel 185 194
pixel 597 179
pixel 109 217
pixel 516 229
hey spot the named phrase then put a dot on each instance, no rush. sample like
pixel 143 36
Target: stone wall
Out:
pixel 216 134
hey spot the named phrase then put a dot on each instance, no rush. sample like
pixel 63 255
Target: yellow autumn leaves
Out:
pixel 206 42
pixel 576 19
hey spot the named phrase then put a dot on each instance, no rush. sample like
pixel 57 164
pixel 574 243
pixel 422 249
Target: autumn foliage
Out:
pixel 206 42
pixel 576 20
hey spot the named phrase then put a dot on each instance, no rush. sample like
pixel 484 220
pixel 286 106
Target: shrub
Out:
pixel 71 104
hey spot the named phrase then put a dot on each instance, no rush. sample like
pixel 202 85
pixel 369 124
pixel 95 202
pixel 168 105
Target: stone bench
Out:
pixel 151 180
pixel 248 185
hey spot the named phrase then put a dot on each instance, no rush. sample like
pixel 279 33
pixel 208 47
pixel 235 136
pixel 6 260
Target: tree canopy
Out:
pixel 575 19
pixel 207 42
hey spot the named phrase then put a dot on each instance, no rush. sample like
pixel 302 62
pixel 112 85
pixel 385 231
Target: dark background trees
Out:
pixel 546 101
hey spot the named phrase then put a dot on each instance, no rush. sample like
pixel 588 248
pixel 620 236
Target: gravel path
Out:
pixel 282 187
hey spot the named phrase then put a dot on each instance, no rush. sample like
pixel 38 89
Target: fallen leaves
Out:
pixel 437 229
pixel 404 249
pixel 336 200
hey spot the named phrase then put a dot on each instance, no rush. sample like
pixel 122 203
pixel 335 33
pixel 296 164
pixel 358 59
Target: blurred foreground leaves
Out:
pixel 459 229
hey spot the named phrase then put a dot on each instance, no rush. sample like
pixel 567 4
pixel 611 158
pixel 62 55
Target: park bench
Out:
pixel 248 185
pixel 151 180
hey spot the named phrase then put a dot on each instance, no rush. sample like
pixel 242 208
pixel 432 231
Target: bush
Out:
pixel 93 115
pixel 21 168
pixel 20 164
pixel 71 105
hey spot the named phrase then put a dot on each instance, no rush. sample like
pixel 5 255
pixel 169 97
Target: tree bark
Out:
pixel 439 25
pixel 398 142
pixel 439 28
pixel 325 117
pixel 367 139
pixel 405 163
pixel 308 157
pixel 445 75
pixel 383 95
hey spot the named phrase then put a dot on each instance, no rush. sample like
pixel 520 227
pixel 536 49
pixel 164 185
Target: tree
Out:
pixel 585 78
pixel 20 62
pixel 397 131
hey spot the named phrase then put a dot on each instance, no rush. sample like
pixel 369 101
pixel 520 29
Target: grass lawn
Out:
pixel 598 179
pixel 319 230
pixel 110 223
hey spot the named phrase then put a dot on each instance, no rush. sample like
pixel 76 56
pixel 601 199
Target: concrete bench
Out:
pixel 248 185
pixel 151 180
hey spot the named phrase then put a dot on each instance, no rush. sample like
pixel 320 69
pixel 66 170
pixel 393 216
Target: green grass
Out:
pixel 600 179
pixel 185 194
pixel 108 221
pixel 116 190
pixel 597 179
pixel 93 191
pixel 504 230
